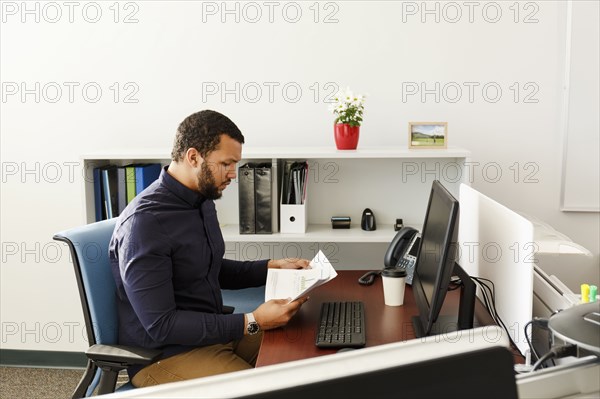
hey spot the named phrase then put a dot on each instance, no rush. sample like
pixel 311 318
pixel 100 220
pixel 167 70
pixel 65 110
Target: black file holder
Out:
pixel 255 198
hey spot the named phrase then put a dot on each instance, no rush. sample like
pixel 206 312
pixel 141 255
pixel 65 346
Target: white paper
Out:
pixel 296 283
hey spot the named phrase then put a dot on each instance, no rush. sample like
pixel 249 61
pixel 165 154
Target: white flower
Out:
pixel 348 107
pixel 348 93
pixel 358 101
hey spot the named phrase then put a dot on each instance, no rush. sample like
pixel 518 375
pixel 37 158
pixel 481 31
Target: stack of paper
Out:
pixel 296 283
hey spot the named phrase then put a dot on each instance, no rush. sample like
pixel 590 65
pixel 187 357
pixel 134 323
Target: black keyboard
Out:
pixel 341 325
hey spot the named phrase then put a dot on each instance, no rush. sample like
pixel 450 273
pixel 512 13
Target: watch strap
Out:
pixel 252 327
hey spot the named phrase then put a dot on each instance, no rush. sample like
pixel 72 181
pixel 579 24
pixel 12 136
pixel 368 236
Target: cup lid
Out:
pixel 394 272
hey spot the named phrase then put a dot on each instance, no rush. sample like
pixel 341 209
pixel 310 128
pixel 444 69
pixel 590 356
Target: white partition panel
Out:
pixel 497 244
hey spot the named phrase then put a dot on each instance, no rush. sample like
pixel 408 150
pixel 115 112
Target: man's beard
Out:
pixel 207 185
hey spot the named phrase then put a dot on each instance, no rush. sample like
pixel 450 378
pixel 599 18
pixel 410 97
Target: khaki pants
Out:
pixel 201 362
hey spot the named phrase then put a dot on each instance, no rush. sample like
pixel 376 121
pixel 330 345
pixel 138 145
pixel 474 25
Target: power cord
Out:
pixel 489 295
pixel 556 353
pixel 537 321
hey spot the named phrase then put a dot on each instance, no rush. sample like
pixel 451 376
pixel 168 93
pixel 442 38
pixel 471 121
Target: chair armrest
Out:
pixel 228 309
pixel 124 355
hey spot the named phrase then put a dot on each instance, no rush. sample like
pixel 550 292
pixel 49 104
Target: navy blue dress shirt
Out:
pixel 166 256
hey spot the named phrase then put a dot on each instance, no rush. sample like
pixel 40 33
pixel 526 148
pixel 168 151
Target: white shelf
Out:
pixel 127 155
pixel 316 233
pixel 367 152
pixel 385 187
pixel 299 152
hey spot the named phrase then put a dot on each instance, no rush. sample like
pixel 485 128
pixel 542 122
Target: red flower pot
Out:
pixel 346 136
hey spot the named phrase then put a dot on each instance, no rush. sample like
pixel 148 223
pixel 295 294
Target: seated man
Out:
pixel 167 259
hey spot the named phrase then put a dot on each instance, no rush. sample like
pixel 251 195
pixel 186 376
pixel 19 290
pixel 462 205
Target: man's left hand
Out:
pixel 289 263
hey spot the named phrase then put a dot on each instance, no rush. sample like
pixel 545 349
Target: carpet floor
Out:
pixel 38 383
pixel 41 383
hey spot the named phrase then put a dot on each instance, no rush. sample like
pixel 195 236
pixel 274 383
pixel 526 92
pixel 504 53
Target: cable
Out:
pixel 530 323
pixel 556 352
pixel 491 302
pixel 369 277
pixel 542 359
pixel 489 295
pixel 550 342
pixel 542 323
pixel 454 285
pixel 488 298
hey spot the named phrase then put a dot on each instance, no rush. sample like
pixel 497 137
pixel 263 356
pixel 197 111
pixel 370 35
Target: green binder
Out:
pixel 130 182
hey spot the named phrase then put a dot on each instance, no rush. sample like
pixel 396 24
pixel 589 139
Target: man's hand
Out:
pixel 289 263
pixel 277 312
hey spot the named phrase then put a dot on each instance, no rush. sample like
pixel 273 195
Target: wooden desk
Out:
pixel 384 324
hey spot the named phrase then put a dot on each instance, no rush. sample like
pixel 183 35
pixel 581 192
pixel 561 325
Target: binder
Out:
pixel 263 204
pixel 145 174
pixel 99 195
pixel 130 182
pixel 246 200
pixel 121 189
pixel 110 188
pixel 256 198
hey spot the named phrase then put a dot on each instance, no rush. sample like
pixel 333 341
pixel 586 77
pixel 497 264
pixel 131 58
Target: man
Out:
pixel 167 259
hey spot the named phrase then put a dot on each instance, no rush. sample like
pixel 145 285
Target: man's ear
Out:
pixel 193 158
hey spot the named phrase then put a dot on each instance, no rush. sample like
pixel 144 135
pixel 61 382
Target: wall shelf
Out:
pixel 299 152
pixel 341 183
pixel 317 233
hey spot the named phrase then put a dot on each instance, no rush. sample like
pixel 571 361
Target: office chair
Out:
pixel 89 251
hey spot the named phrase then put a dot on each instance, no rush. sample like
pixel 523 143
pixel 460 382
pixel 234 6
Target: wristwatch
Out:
pixel 252 327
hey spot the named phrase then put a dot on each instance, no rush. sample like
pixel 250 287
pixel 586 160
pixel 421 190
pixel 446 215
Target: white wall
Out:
pixel 175 51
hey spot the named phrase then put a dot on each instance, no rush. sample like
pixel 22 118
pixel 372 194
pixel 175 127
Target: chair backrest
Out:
pixel 89 252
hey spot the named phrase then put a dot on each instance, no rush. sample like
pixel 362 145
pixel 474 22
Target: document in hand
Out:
pixel 296 283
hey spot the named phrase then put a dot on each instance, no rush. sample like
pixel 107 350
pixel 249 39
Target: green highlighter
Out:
pixel 593 293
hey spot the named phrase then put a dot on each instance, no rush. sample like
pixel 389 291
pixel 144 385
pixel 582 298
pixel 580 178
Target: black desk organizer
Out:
pixel 255 198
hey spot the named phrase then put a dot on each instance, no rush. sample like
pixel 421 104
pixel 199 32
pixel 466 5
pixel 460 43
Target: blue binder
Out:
pixel 145 174
pixel 110 190
pixel 98 195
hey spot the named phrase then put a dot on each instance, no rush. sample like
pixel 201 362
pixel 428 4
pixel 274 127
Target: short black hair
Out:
pixel 202 131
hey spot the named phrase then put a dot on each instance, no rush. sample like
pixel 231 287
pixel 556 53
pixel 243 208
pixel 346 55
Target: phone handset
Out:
pixel 400 253
pixel 398 246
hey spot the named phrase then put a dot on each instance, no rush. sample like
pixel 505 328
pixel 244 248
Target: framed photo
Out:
pixel 427 134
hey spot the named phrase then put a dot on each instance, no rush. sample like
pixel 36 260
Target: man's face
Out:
pixel 219 168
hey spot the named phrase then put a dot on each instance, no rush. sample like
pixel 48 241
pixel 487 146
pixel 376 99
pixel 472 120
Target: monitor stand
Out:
pixel 466 310
pixel 445 324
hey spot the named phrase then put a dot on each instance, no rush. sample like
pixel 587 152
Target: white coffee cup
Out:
pixel 394 280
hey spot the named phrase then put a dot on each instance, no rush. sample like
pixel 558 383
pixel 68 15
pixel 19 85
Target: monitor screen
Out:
pixel 437 256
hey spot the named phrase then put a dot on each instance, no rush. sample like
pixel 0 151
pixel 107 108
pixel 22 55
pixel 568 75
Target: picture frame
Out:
pixel 427 135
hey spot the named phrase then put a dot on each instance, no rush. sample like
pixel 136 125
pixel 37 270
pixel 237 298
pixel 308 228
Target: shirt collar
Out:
pixel 193 198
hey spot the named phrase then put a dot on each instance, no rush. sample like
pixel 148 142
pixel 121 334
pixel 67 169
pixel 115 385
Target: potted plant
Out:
pixel 348 109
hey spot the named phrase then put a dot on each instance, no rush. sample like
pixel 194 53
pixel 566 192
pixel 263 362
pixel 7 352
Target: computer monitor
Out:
pixel 435 266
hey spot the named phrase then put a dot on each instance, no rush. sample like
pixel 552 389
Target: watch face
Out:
pixel 253 328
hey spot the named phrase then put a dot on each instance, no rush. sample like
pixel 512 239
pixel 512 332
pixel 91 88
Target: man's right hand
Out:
pixel 277 312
